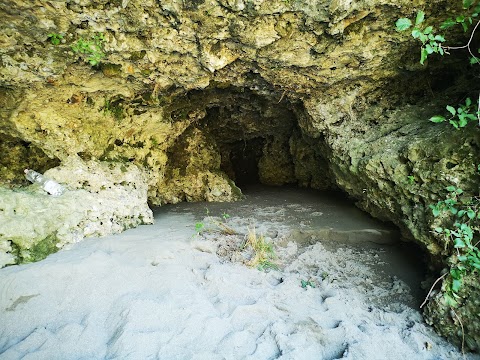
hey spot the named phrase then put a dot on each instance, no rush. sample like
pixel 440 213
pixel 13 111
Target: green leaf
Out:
pixel 456 272
pixel 450 301
pixel 429 49
pixel 423 55
pixel 199 226
pixel 416 33
pixel 456 285
pixel 462 258
pixel 458 243
pixel 451 188
pixel 439 38
pixel 474 60
pixel 448 24
pixel 459 191
pixel 403 24
pixel 467 3
pixel 460 19
pixel 454 124
pixel 471 214
pixel 420 17
pixel 475 265
pixel 437 119
pixel 439 229
pixel 451 110
pixel 468 102
pixel 428 30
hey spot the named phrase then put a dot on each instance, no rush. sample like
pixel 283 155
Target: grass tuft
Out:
pixel 264 254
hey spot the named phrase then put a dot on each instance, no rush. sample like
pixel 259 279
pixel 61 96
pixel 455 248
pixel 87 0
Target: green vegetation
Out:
pixel 432 43
pixel 199 226
pixel 212 223
pixel 306 283
pixel 458 214
pixel 263 254
pixel 461 116
pixel 55 39
pixel 91 49
pixel 462 215
pixel 465 19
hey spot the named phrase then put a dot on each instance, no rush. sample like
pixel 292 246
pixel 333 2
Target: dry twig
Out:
pixel 431 289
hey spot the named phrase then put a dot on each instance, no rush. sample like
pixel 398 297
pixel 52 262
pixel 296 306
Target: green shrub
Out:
pixel 461 234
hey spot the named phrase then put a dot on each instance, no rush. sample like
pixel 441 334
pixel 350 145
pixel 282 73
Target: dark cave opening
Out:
pixel 259 139
pixel 240 161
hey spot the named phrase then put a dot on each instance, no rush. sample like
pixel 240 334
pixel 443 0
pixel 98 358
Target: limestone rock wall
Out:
pixel 100 199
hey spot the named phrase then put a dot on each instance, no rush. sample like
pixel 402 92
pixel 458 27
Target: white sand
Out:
pixel 156 292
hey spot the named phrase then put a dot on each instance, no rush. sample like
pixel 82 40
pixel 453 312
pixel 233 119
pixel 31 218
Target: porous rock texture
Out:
pixel 100 199
pixel 196 95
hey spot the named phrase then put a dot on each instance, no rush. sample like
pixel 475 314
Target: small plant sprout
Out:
pixel 199 226
pixel 212 223
pixel 263 253
pixel 55 39
pixel 90 49
pixel 306 283
pixel 411 179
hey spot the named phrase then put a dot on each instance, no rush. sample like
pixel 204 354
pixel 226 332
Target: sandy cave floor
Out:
pixel 165 292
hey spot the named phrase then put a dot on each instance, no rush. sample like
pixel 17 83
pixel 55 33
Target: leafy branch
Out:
pixel 433 43
pixel 462 235
pixel 462 115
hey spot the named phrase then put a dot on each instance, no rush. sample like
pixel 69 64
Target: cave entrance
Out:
pixel 254 139
pixel 259 139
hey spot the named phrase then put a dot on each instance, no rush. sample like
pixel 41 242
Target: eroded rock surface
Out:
pixel 101 199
